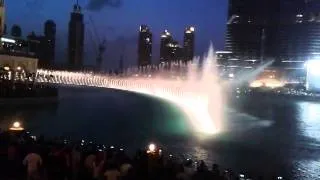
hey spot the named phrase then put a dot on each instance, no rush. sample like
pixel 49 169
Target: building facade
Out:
pixel 175 51
pixel 49 41
pixel 144 46
pixel 16 31
pixel 76 39
pixel 245 26
pixel 166 39
pixel 285 31
pixel 188 43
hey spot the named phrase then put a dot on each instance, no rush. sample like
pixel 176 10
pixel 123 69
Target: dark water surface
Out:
pixel 265 136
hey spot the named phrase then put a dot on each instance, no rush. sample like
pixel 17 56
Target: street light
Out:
pixel 16 126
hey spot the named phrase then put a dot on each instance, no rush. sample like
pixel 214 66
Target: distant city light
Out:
pixel 167 32
pixel 269 83
pixel 223 52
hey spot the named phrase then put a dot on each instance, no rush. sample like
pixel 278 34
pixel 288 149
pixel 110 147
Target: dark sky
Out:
pixel 119 22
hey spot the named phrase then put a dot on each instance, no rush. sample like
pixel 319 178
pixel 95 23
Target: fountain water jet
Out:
pixel 198 93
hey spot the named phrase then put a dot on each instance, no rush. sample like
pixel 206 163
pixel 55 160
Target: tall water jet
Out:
pixel 198 95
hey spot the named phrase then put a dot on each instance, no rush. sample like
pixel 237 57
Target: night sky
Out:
pixel 119 22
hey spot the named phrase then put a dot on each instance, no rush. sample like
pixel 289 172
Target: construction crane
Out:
pixel 100 46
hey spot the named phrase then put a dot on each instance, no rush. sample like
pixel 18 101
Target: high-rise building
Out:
pixel 76 38
pixel 188 43
pixel 166 39
pixel 50 41
pixel 16 31
pixel 175 51
pixel 144 46
pixel 2 17
pixel 286 31
pixel 296 37
pixel 246 20
pixel 34 43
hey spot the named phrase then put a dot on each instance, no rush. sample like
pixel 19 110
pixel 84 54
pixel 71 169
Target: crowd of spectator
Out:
pixel 23 157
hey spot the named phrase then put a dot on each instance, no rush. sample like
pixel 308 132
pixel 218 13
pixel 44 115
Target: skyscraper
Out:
pixel 188 43
pixel 286 31
pixel 76 38
pixel 175 51
pixel 245 25
pixel 2 17
pixel 296 36
pixel 166 39
pixel 16 31
pixel 144 46
pixel 50 40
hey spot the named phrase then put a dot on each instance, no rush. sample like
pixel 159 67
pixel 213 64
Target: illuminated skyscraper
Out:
pixel 144 46
pixel 166 39
pixel 76 38
pixel 188 43
pixel 175 51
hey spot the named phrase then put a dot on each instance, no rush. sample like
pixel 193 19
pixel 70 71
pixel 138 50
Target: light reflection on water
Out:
pixel 309 126
pixel 271 135
pixel 309 116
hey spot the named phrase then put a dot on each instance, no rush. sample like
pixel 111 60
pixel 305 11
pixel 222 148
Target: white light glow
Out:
pixel 223 52
pixel 313 75
pixel 8 40
pixel 16 126
pixel 313 67
pixel 152 148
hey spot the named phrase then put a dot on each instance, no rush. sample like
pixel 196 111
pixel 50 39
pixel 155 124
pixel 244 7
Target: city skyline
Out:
pixel 209 18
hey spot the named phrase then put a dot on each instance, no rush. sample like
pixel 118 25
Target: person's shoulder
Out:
pixel 106 173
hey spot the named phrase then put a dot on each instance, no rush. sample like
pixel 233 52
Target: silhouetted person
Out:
pixel 33 161
pixel 215 171
pixel 112 172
